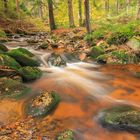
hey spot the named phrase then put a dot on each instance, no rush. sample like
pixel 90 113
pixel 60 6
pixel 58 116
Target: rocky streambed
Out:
pixel 54 95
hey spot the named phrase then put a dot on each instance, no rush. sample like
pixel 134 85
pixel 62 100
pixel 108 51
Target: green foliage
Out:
pixel 125 58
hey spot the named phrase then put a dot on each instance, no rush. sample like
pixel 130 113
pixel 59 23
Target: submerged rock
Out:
pixel 56 60
pixel 66 135
pixel 30 73
pixel 23 57
pixel 6 60
pixel 12 88
pixel 121 117
pixel 43 104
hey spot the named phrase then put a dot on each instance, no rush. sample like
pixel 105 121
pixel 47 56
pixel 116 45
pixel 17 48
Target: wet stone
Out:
pixel 66 135
pixel 56 60
pixel 122 117
pixel 43 104
pixel 12 88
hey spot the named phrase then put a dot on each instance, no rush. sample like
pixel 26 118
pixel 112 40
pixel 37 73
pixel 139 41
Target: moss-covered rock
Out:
pixel 30 73
pixel 23 57
pixel 3 47
pixel 134 43
pixel 66 135
pixel 6 60
pixel 12 88
pixel 25 51
pixel 121 117
pixel 96 51
pixel 44 45
pixel 43 104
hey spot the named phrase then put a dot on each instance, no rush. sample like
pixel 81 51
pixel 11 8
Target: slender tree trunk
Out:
pixel 70 13
pixel 87 15
pixel 117 6
pixel 17 8
pixel 51 15
pixel 80 12
pixel 5 3
pixel 40 12
pixel 107 7
pixel 138 9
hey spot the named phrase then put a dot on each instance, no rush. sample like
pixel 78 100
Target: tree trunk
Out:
pixel 117 6
pixel 17 8
pixel 87 16
pixel 5 3
pixel 138 9
pixel 80 12
pixel 51 15
pixel 40 12
pixel 107 8
pixel 70 13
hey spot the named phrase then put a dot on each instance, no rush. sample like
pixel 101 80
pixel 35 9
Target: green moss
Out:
pixel 2 33
pixel 6 60
pixel 121 117
pixel 66 135
pixel 37 110
pixel 30 73
pixel 25 51
pixel 96 51
pixel 124 57
pixel 44 45
pixel 23 57
pixel 12 89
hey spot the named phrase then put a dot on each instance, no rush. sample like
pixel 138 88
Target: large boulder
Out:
pixel 122 117
pixel 12 88
pixel 56 60
pixel 66 135
pixel 3 47
pixel 6 60
pixel 43 104
pixel 23 57
pixel 26 52
pixel 30 73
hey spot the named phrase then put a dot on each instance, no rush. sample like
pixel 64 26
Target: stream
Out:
pixel 85 89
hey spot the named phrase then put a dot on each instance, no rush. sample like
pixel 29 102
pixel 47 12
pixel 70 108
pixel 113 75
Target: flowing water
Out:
pixel 85 89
